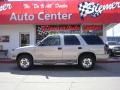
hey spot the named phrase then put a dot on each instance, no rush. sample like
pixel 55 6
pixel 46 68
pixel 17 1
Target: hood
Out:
pixel 112 46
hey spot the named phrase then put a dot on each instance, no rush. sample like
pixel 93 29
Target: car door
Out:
pixel 94 44
pixel 50 49
pixel 71 47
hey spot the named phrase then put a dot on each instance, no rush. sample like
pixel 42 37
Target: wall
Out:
pixel 13 32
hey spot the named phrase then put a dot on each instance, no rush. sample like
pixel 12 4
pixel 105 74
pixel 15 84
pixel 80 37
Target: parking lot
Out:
pixel 106 76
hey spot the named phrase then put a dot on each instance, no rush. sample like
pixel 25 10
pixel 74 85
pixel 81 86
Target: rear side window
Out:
pixel 71 40
pixel 93 40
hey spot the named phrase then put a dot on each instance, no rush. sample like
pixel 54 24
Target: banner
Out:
pixel 60 12
pixel 59 27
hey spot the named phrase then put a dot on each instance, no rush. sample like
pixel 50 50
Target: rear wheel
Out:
pixel 25 62
pixel 87 61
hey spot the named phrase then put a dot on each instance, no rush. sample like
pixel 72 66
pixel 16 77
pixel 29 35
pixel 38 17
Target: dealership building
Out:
pixel 24 23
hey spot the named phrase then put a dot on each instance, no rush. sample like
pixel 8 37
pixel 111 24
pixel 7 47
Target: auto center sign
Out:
pixel 60 12
pixel 41 10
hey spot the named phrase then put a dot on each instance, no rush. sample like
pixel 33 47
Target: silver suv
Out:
pixel 61 49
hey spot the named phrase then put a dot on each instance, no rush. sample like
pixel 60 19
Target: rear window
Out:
pixel 92 40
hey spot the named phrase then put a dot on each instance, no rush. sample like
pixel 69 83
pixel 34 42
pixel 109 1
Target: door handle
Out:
pixel 79 47
pixel 59 48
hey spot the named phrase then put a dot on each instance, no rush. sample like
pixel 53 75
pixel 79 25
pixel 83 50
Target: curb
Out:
pixel 7 62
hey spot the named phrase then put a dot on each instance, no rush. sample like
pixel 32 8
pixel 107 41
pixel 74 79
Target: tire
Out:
pixel 87 61
pixel 25 62
pixel 111 55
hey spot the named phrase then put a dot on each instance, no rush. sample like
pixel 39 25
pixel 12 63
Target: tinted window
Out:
pixel 92 40
pixel 71 40
pixel 52 41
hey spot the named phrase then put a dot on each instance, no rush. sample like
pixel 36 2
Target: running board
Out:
pixel 55 62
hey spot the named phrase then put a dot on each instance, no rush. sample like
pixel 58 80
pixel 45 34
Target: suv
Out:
pixel 61 49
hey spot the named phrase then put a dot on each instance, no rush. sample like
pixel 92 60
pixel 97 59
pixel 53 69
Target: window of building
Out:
pixel 24 39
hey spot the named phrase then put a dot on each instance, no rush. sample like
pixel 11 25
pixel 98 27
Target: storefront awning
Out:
pixel 60 12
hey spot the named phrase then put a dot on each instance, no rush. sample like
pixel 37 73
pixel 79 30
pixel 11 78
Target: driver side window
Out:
pixel 51 41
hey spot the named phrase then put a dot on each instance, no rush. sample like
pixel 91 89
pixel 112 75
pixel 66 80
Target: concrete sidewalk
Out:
pixel 109 60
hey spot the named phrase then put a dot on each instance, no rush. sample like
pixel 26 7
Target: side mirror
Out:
pixel 41 44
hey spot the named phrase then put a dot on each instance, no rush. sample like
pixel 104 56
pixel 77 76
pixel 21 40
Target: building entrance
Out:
pixel 24 39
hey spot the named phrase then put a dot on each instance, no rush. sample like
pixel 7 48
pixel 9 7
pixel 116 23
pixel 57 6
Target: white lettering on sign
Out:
pixel 13 17
pixel 95 9
pixel 41 16
pixel 56 16
pixel 61 5
pixel 26 6
pixel 22 17
pixel 50 5
pixel 36 6
pixel 5 7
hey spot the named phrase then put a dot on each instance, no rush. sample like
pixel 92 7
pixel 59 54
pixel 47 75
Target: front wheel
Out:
pixel 87 62
pixel 25 62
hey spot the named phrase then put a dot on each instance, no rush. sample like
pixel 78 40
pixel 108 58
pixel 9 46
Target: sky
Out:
pixel 114 31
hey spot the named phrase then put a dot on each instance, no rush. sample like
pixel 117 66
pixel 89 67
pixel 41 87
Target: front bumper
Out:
pixel 116 52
